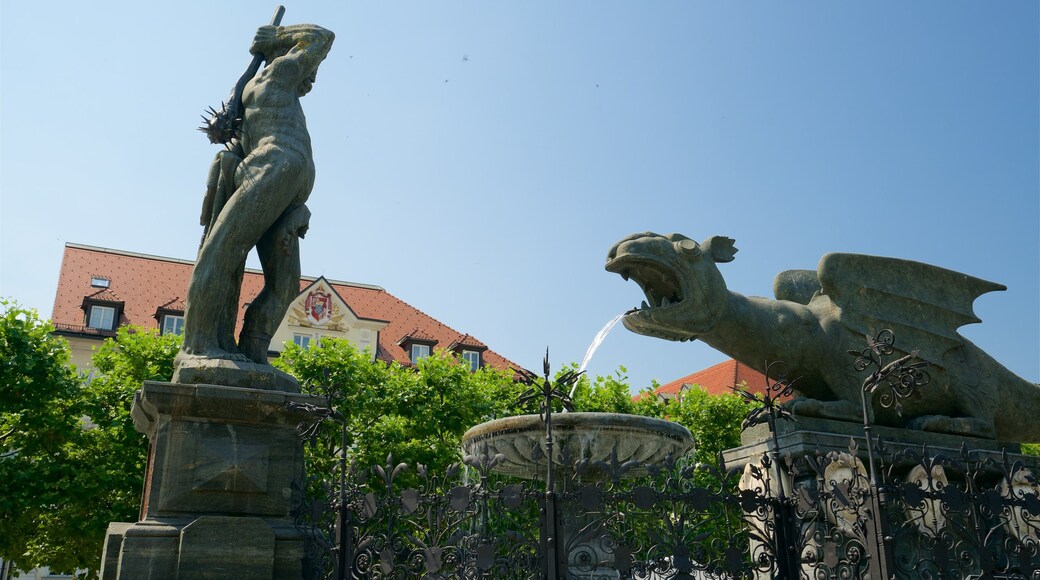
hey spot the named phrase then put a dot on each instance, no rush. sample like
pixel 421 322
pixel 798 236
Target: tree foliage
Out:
pixel 416 414
pixel 114 454
pixel 40 410
pixel 714 420
pixel 419 414
pixel 603 394
pixel 71 459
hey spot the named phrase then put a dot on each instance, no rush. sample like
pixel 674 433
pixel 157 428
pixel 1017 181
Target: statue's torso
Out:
pixel 273 117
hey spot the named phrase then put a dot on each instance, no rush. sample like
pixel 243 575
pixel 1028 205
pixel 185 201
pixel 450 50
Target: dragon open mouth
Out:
pixel 658 282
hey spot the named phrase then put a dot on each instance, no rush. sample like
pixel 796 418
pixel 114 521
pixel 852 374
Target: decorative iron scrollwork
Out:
pixel 822 515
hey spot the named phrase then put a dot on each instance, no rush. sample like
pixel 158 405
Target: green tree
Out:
pixel 70 459
pixel 714 420
pixel 40 410
pixel 110 462
pixel 603 394
pixel 418 414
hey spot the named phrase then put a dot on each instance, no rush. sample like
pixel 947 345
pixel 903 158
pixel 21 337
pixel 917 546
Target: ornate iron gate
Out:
pixel 908 513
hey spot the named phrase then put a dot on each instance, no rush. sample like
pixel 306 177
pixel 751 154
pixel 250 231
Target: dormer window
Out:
pixel 170 317
pixel 101 317
pixel 469 350
pixel 102 311
pixel 173 324
pixel 419 352
pixel 417 344
pixel 472 358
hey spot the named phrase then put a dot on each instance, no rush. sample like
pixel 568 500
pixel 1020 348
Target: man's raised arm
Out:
pixel 305 44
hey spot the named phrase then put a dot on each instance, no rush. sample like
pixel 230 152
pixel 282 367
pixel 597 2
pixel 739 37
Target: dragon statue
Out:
pixel 820 316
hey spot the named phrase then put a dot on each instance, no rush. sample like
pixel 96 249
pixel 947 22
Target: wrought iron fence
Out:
pixel 946 517
pixel 962 516
pixel 908 513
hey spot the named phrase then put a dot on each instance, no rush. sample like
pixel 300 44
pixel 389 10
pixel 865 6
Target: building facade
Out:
pixel 101 289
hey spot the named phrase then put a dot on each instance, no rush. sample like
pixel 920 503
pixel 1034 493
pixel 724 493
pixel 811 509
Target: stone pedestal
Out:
pixel 217 488
pixel 944 505
pixel 809 435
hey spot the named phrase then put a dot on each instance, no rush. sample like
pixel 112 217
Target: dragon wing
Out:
pixel 923 305
pixel 796 285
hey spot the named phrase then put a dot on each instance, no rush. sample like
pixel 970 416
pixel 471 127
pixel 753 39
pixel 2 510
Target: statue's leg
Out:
pixel 837 410
pixel 212 301
pixel 279 251
pixel 229 319
pixel 967 426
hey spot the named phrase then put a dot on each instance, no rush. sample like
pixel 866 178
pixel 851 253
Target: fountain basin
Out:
pixel 577 436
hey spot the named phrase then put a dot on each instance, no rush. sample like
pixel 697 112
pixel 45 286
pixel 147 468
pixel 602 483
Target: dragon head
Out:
pixel 685 292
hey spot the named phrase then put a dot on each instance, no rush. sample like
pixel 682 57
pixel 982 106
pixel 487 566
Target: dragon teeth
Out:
pixel 665 301
pixel 644 306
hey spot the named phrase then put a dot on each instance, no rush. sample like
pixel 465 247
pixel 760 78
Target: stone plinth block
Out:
pixel 246 374
pixel 808 435
pixel 110 553
pixel 218 487
pixel 226 547
pixel 938 506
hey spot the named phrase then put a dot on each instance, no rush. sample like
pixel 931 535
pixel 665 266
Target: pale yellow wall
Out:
pixel 82 351
pixel 340 324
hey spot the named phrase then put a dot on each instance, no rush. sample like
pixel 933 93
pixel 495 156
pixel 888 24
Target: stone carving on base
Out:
pixel 759 480
pixel 928 514
pixel 255 197
pixel 1023 523
pixel 819 316
pixel 846 477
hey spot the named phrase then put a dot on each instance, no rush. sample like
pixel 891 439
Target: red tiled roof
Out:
pixel 418 335
pixel 104 295
pixel 717 379
pixel 146 283
pixel 467 340
pixel 174 304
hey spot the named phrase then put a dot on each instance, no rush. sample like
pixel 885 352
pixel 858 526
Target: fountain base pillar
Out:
pixel 218 486
pixel 848 519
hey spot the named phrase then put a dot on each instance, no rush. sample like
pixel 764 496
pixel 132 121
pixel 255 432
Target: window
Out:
pixel 301 340
pixel 173 324
pixel 473 358
pixel 99 282
pixel 419 352
pixel 101 313
pixel 366 340
pixel 101 317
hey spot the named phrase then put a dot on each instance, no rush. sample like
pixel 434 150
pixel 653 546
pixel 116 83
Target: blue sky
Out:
pixel 478 159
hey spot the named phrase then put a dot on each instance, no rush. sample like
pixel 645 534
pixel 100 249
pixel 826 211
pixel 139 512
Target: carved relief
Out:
pixel 846 478
pixel 928 513
pixel 318 308
pixel 1024 522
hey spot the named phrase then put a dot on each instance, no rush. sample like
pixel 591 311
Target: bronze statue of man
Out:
pixel 255 198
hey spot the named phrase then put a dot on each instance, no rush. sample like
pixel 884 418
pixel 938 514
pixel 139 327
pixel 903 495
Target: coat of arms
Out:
pixel 319 307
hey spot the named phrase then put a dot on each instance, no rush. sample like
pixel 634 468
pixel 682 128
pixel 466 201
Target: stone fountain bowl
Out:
pixel 577 436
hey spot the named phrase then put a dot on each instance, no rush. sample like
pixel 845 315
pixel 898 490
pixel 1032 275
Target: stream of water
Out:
pixel 598 340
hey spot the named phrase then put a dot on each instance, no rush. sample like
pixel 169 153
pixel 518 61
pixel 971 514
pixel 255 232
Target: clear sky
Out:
pixel 478 159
